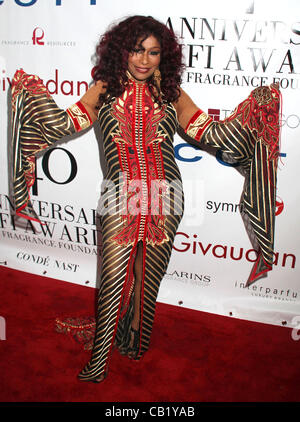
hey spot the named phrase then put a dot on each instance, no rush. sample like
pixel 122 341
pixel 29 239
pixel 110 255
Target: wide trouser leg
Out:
pixel 156 261
pixel 115 275
pixel 122 303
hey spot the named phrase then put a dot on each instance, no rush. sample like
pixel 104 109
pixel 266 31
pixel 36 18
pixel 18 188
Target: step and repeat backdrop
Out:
pixel 230 47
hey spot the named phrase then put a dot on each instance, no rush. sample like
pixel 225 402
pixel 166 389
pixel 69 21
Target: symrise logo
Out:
pixel 37 36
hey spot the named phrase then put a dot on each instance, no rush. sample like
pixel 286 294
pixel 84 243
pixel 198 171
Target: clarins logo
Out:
pixel 188 277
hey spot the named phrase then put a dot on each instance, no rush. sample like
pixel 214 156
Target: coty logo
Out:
pixel 32 2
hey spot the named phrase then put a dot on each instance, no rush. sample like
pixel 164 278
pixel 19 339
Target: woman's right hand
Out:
pixel 90 99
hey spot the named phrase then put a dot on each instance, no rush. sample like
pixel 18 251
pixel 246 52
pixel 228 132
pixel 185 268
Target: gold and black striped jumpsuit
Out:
pixel 142 203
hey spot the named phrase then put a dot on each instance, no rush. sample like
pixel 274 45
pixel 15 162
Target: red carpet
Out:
pixel 194 356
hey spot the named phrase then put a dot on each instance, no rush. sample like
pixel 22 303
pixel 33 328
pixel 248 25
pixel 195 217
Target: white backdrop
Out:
pixel 231 47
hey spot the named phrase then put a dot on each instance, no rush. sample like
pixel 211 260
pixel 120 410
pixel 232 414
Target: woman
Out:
pixel 139 104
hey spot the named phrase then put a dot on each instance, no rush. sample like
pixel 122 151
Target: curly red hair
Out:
pixel 116 44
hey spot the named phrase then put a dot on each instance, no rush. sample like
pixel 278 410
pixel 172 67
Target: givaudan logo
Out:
pixel 221 251
pixel 55 85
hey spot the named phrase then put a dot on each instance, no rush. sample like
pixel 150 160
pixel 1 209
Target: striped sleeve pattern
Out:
pixel 250 138
pixel 37 123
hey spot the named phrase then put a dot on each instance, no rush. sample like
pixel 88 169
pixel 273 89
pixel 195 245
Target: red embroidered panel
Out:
pixel 138 140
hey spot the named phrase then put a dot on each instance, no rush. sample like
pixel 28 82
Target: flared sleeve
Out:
pixel 250 139
pixel 37 123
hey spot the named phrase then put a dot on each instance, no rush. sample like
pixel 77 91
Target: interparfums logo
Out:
pixel 2 328
pixel 37 36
